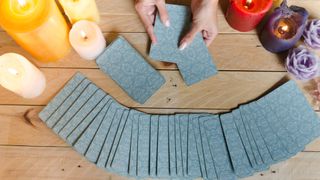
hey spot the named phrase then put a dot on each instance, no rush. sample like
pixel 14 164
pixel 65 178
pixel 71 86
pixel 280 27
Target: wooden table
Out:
pixel 29 150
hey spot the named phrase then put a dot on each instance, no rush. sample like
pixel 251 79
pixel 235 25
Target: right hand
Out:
pixel 204 14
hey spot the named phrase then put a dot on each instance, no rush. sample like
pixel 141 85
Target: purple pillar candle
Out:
pixel 284 28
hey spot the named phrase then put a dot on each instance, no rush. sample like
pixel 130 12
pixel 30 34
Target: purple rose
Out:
pixel 302 63
pixel 311 34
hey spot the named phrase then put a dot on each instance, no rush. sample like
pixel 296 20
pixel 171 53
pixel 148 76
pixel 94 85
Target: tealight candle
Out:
pixel 77 10
pixel 36 25
pixel 87 39
pixel 245 15
pixel 284 28
pixel 18 75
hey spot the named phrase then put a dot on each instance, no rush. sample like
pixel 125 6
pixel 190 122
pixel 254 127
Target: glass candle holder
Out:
pixel 284 28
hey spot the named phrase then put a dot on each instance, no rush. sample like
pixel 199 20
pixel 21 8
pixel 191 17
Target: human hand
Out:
pixel 147 10
pixel 204 20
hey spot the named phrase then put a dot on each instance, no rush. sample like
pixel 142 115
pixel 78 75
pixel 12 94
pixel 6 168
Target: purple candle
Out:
pixel 284 28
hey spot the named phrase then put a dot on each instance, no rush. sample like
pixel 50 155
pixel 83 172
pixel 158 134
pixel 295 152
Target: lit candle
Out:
pixel 248 4
pixel 77 10
pixel 18 75
pixel 87 39
pixel 245 15
pixel 36 25
pixel 284 28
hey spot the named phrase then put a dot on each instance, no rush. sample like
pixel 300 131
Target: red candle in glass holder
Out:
pixel 245 15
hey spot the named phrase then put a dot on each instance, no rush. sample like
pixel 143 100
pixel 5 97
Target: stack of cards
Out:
pixel 194 62
pixel 184 146
pixel 130 70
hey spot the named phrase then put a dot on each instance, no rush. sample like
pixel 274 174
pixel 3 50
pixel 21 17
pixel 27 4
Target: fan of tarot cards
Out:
pixel 183 146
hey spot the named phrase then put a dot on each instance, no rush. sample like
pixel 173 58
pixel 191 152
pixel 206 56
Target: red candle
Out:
pixel 245 15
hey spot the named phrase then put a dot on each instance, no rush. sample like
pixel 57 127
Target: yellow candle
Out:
pixel 18 75
pixel 80 10
pixel 36 25
pixel 276 3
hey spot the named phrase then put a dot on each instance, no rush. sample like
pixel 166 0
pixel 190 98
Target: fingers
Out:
pixel 164 16
pixel 188 38
pixel 151 34
pixel 145 16
pixel 208 37
pixel 208 41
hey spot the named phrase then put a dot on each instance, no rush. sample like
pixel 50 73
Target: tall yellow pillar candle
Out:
pixel 36 25
pixel 276 3
pixel 77 10
pixel 18 75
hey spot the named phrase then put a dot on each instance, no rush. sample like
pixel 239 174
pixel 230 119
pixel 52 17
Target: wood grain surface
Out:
pixel 29 150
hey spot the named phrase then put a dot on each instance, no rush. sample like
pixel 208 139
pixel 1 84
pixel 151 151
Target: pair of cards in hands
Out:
pixel 137 78
pixel 184 146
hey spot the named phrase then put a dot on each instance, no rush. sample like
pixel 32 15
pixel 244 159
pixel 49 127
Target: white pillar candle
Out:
pixel 87 39
pixel 18 75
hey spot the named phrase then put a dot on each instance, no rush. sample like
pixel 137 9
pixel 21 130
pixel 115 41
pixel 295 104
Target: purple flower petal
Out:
pixel 302 63
pixel 311 34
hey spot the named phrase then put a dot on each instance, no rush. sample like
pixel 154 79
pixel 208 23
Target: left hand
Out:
pixel 147 10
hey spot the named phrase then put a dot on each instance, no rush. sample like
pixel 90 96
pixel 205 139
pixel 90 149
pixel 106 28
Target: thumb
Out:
pixel 164 16
pixel 188 38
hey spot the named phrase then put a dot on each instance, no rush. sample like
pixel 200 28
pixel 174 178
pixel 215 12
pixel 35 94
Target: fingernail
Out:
pixel 167 23
pixel 182 46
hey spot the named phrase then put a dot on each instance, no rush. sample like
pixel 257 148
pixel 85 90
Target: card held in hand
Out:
pixel 130 70
pixel 194 62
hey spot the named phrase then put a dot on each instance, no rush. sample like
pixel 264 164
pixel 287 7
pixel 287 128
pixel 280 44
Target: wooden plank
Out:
pixel 122 17
pixel 224 91
pixel 21 126
pixel 125 10
pixel 230 52
pixel 127 7
pixel 132 23
pixel 47 163
pixel 65 163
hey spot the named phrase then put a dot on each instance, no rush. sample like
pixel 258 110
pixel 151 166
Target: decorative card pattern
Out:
pixel 130 70
pixel 195 62
pixel 181 146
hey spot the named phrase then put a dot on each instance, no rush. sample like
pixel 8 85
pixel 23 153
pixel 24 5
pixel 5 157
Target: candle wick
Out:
pixel 84 35
pixel 248 4
pixel 283 29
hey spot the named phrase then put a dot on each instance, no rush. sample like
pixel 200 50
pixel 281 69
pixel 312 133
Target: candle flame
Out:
pixel 22 3
pixel 285 28
pixel 248 4
pixel 13 71
pixel 83 34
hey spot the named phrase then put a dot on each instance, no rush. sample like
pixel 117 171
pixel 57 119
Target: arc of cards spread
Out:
pixel 125 141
